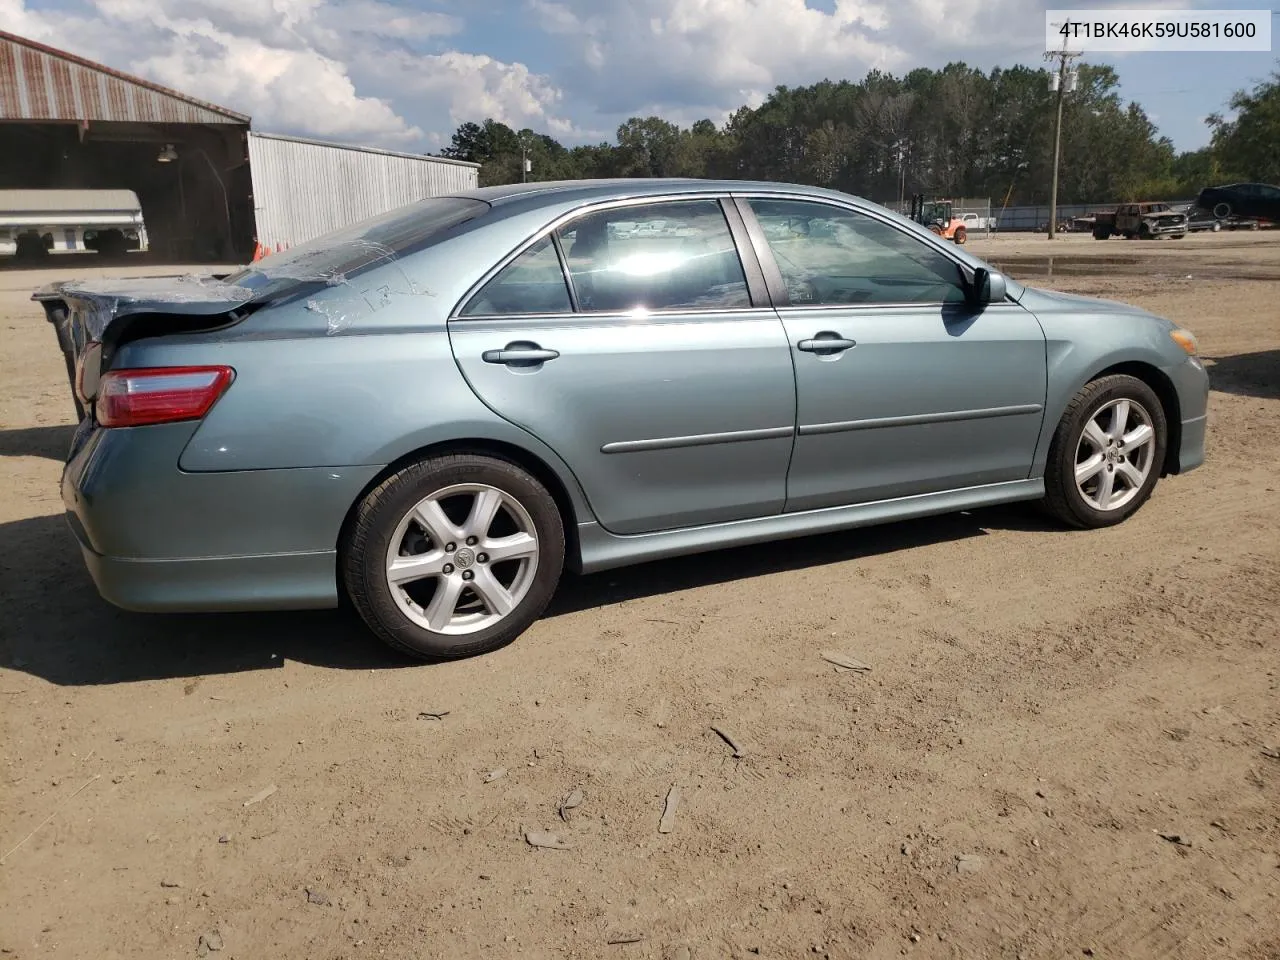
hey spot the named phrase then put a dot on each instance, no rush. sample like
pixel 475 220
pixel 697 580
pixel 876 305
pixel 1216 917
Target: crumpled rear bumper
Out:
pixel 156 538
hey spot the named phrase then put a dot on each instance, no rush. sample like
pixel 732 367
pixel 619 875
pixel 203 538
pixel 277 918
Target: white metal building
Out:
pixel 211 189
pixel 304 188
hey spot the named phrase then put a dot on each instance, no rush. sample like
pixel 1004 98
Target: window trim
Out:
pixel 757 289
pixel 773 274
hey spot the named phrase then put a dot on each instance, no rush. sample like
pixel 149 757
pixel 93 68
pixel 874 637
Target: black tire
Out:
pixel 364 552
pixel 1222 210
pixel 1063 498
pixel 1144 232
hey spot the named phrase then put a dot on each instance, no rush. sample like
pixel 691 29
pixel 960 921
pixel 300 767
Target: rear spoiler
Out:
pixel 85 313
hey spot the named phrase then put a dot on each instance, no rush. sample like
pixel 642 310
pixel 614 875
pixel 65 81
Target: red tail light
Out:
pixel 134 398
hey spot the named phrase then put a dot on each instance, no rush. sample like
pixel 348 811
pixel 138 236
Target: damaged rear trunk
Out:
pixel 93 318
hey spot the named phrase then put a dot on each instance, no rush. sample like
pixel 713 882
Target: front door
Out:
pixel 902 387
pixel 653 374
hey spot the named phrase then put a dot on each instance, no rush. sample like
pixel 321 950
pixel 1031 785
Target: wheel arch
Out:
pixel 1165 392
pixel 487 447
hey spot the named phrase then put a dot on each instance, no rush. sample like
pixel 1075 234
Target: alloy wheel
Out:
pixel 462 559
pixel 1115 454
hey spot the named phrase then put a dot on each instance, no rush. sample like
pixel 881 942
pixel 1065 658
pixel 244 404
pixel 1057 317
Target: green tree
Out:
pixel 1250 144
pixel 957 130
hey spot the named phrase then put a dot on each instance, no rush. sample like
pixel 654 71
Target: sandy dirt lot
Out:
pixel 1065 746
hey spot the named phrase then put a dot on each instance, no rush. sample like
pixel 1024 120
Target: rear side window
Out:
pixel 344 254
pixel 677 255
pixel 531 283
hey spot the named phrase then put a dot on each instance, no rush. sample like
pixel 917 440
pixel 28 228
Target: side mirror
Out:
pixel 989 286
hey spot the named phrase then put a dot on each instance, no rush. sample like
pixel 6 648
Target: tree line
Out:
pixel 955 132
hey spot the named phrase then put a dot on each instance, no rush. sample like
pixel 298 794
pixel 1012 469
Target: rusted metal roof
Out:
pixel 41 83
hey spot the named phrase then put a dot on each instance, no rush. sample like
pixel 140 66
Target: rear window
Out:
pixel 344 254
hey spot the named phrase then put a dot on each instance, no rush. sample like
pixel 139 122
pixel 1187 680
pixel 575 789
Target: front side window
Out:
pixel 830 255
pixel 677 255
pixel 531 283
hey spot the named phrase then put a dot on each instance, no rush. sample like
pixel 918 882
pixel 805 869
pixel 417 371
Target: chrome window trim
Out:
pixel 717 196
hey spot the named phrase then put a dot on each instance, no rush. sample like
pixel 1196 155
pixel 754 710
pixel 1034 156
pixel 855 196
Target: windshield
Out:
pixel 337 257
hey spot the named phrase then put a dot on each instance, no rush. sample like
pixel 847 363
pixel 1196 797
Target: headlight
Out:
pixel 1186 340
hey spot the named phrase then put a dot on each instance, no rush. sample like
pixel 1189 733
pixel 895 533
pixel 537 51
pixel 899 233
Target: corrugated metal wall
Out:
pixel 305 188
pixel 41 83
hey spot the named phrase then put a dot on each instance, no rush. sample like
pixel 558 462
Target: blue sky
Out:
pixel 405 73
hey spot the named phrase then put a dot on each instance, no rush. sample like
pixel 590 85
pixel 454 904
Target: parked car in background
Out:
pixel 1260 201
pixel 1143 221
pixel 437 411
pixel 976 223
pixel 1199 220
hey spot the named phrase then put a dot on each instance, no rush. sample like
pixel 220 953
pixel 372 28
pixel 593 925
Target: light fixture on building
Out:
pixel 168 154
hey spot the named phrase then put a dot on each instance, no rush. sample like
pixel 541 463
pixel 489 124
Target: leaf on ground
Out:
pixel 544 839
pixel 668 821
pixel 844 660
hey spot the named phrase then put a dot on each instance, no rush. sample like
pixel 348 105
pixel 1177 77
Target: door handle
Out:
pixel 826 342
pixel 519 354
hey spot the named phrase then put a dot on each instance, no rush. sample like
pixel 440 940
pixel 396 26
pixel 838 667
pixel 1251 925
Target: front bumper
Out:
pixel 1191 382
pixel 156 538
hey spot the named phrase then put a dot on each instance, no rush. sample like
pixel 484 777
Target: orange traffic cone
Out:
pixel 258 252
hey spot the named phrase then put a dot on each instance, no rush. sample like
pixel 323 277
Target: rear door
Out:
pixel 638 344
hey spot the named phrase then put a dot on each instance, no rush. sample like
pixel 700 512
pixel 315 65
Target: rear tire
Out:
pixel 453 556
pixel 1100 471
pixel 1222 211
pixel 961 235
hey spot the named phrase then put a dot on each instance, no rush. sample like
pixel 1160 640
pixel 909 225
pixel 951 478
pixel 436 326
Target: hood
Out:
pixel 1038 300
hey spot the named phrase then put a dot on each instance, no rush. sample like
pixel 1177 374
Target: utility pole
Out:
pixel 1063 56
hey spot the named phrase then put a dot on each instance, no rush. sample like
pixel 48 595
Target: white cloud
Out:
pixel 343 69
pixel 470 86
pixel 712 56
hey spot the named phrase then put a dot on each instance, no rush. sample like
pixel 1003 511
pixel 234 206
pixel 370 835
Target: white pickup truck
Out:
pixel 974 222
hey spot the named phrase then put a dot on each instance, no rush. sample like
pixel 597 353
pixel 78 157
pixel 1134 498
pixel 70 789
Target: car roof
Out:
pixel 558 191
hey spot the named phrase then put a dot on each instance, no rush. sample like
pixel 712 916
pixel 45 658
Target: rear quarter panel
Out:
pixel 358 374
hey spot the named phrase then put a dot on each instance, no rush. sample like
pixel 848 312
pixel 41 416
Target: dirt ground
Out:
pixel 1064 746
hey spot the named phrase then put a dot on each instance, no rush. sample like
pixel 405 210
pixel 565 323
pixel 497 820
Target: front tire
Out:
pixel 1106 455
pixel 454 556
